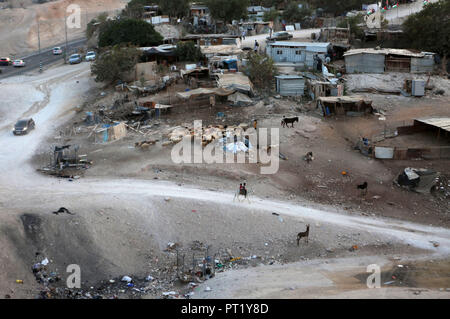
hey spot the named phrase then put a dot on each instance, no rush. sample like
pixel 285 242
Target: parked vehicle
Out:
pixel 277 36
pixel 19 63
pixel 90 56
pixel 75 58
pixel 22 127
pixel 57 50
pixel 5 61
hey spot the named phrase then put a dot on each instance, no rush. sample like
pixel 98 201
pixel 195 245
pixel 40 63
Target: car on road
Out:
pixel 57 50
pixel 19 63
pixel 5 61
pixel 23 126
pixel 277 36
pixel 90 56
pixel 75 58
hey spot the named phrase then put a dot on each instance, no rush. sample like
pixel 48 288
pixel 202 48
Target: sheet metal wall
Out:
pixel 365 63
pixel 422 65
pixel 288 54
pixel 290 87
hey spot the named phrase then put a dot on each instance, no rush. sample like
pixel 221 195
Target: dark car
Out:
pixel 277 36
pixel 23 126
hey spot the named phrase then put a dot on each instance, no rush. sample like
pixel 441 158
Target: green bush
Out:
pixel 188 51
pixel 128 31
pixel 114 63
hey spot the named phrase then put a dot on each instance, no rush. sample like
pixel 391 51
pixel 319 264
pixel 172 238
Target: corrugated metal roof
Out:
pixel 441 122
pixel 300 44
pixel 286 76
pixel 386 52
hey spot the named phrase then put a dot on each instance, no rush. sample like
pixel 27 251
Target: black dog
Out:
pixel 286 121
pixel 363 188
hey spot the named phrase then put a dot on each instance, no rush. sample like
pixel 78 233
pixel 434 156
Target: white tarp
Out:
pixel 384 152
pixel 236 147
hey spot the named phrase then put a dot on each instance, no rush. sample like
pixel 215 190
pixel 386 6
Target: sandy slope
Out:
pixel 18 26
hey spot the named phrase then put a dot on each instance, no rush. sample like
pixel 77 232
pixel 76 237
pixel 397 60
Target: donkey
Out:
pixel 286 120
pixel 303 234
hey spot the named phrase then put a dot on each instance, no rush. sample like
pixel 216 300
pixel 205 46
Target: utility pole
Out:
pixel 39 46
pixel 65 30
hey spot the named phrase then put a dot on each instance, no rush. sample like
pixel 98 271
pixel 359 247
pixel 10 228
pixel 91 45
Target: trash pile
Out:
pixel 231 137
pixel 442 187
pixel 419 180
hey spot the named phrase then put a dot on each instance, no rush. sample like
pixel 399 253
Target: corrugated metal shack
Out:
pixel 290 85
pixel 297 52
pixel 388 60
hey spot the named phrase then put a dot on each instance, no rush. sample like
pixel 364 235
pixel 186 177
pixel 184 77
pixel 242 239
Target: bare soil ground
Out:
pixel 132 203
pixel 330 140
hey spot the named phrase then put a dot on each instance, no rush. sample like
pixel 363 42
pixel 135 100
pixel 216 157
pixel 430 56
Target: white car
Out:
pixel 57 50
pixel 18 63
pixel 90 56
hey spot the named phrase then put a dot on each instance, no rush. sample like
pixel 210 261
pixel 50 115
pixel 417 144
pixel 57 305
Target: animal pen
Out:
pixel 344 105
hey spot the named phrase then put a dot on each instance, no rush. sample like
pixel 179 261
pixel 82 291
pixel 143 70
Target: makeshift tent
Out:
pixel 111 132
pixel 235 81
pixel 204 91
pixel 239 99
pixel 348 105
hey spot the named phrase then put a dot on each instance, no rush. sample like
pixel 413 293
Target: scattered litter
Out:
pixel 389 282
pixel 169 293
pixel 126 279
pixel 19 281
pixel 45 262
pixel 208 288
pixel 149 278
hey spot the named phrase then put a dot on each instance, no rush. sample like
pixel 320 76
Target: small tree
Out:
pixel 174 8
pixel 271 15
pixel 132 31
pixel 228 10
pixel 261 70
pixel 294 13
pixel 188 51
pixel 135 8
pixel 353 23
pixel 114 63
pixel 429 29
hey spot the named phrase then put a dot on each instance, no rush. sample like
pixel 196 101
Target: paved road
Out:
pixel 46 56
